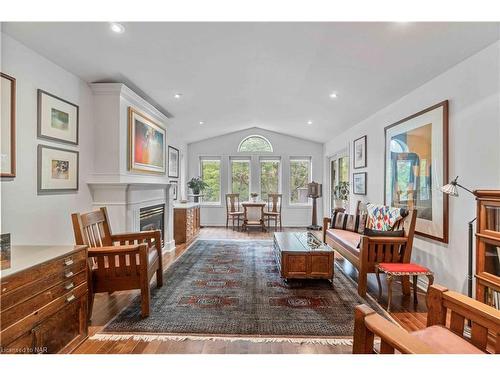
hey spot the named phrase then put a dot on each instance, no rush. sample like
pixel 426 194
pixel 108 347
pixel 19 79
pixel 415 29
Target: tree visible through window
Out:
pixel 210 173
pixel 299 178
pixel 240 178
pixel 255 143
pixel 269 177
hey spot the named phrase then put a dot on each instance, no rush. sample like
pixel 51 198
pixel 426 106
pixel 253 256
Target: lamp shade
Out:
pixel 450 189
pixel 314 190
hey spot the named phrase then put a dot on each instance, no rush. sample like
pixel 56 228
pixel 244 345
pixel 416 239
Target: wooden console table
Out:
pixel 44 299
pixel 186 221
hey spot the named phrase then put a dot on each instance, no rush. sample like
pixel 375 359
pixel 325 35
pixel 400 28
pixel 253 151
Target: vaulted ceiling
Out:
pixel 276 76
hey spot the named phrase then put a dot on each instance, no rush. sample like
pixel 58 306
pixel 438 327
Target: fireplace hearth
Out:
pixel 153 218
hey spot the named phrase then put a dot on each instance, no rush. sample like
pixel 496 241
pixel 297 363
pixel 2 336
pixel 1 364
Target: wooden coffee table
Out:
pixel 301 255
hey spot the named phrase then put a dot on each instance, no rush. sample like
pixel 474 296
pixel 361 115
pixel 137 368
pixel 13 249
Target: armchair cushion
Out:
pixel 444 341
pixel 347 239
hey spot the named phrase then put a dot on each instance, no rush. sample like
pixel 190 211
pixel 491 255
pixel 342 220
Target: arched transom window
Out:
pixel 255 143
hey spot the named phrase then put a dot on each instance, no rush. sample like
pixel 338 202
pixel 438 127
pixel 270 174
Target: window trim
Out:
pixel 218 159
pixel 255 136
pixel 280 179
pixel 292 159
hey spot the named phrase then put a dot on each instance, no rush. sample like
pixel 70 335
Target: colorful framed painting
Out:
pixel 58 119
pixel 416 165
pixel 359 183
pixel 146 144
pixel 175 188
pixel 8 124
pixel 57 170
pixel 173 162
pixel 359 159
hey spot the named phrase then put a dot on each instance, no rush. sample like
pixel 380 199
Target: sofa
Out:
pixel 366 252
pixel 444 333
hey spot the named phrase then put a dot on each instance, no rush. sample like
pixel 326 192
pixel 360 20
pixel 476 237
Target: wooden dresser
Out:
pixel 186 221
pixel 43 291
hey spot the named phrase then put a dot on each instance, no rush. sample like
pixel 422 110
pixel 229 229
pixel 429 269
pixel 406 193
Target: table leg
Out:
pixel 415 298
pixel 389 292
pixel 377 272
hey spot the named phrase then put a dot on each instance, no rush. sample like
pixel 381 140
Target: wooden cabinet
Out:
pixel 44 300
pixel 488 247
pixel 186 222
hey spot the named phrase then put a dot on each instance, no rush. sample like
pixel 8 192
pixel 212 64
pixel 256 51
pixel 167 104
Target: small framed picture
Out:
pixel 57 170
pixel 173 162
pixel 57 118
pixel 359 183
pixel 174 188
pixel 360 152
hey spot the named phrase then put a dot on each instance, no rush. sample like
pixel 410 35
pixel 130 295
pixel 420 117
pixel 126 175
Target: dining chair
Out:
pixel 233 209
pixel 273 212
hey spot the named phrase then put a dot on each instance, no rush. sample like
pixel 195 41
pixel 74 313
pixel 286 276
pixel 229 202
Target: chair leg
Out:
pixel 415 297
pixel 405 280
pixel 159 278
pixel 389 292
pixel 227 221
pixel 362 283
pixel 145 299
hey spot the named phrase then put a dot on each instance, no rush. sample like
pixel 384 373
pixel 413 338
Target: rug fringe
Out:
pixel 291 340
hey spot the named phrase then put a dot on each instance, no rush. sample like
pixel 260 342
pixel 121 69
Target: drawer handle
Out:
pixel 69 286
pixel 68 262
pixel 68 274
pixel 70 298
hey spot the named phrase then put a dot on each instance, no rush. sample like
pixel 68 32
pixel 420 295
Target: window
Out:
pixel 255 143
pixel 210 173
pixel 300 176
pixel 269 177
pixel 240 178
pixel 339 181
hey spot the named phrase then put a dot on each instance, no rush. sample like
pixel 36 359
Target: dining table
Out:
pixel 253 220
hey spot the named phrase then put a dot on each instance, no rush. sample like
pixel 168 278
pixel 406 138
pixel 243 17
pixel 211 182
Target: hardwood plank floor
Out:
pixel 106 306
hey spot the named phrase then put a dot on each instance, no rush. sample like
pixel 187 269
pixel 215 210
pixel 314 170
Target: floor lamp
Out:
pixel 452 190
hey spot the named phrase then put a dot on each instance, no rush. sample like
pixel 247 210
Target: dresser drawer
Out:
pixel 36 278
pixel 22 308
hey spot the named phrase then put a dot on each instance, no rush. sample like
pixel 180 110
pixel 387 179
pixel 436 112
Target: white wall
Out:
pixel 32 218
pixel 284 146
pixel 472 88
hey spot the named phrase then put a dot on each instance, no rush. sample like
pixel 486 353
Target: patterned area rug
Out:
pixel 232 288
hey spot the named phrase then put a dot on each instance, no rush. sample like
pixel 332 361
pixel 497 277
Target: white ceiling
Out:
pixel 275 76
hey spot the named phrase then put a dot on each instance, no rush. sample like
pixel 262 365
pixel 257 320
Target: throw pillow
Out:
pixel 384 217
pixel 353 223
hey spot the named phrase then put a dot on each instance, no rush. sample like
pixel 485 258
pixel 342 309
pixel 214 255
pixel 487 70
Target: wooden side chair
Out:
pixel 118 261
pixel 273 212
pixel 233 211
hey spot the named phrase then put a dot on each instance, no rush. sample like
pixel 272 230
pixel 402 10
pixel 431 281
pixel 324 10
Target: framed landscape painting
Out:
pixel 146 144
pixel 57 170
pixel 416 166
pixel 173 162
pixel 57 119
pixel 8 123
pixel 360 153
pixel 359 183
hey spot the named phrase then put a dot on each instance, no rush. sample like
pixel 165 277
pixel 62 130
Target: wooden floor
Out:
pixel 107 306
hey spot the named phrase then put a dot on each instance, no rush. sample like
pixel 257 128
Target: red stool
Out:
pixel 401 269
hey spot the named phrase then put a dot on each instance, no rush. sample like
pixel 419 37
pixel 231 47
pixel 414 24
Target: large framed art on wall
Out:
pixel 416 165
pixel 147 141
pixel 8 123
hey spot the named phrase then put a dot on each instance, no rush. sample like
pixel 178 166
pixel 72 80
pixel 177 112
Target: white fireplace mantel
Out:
pixel 124 201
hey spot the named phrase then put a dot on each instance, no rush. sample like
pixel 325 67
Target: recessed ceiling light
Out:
pixel 177 95
pixel 309 122
pixel 116 27
pixel 333 95
pixel 202 122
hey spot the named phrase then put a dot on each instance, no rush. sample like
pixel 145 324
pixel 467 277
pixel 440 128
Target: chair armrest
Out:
pixel 385 240
pixel 137 236
pixel 326 225
pixel 114 250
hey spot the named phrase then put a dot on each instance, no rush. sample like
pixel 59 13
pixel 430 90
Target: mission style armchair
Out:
pixel 372 250
pixel 446 318
pixel 118 261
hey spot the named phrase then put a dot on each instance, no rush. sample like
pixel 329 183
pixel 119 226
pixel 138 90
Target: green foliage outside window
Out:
pixel 299 178
pixel 255 144
pixel 240 178
pixel 269 177
pixel 210 174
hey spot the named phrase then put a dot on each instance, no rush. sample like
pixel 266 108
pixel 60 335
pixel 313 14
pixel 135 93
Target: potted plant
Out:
pixel 341 194
pixel 254 196
pixel 197 185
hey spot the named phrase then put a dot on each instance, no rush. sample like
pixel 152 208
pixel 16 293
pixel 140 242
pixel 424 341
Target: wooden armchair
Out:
pixel 118 261
pixel 233 211
pixel 274 203
pixel 448 312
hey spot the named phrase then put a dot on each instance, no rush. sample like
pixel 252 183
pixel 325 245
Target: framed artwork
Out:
pixel 146 144
pixel 174 184
pixel 58 119
pixel 359 183
pixel 173 162
pixel 416 165
pixel 8 123
pixel 360 152
pixel 57 170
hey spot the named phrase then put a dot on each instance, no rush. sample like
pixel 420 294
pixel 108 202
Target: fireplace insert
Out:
pixel 153 218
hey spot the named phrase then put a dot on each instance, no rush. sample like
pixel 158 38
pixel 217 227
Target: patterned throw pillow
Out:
pixel 353 223
pixel 384 218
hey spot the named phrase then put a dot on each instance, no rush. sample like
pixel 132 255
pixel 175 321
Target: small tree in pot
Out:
pixel 341 194
pixel 197 185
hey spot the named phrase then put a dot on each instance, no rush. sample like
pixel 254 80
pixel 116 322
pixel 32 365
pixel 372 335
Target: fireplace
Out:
pixel 153 218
